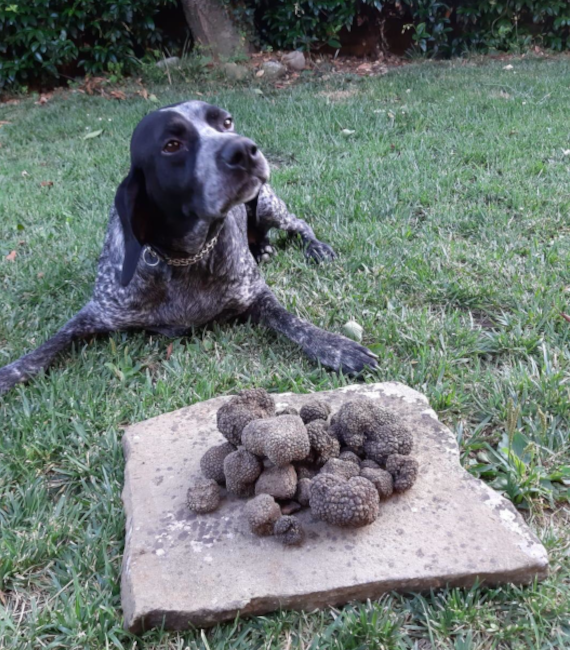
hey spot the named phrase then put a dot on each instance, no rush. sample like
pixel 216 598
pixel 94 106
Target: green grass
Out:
pixel 449 206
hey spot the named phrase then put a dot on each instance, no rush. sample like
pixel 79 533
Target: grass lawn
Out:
pixel 449 206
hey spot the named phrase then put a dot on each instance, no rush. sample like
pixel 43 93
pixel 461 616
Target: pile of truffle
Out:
pixel 341 467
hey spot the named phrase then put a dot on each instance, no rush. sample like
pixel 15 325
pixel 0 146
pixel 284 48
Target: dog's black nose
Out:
pixel 240 153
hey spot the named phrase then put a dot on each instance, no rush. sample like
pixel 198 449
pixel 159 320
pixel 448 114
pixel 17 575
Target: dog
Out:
pixel 186 232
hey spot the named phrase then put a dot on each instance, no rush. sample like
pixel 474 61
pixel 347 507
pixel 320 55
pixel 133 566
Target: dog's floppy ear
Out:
pixel 131 202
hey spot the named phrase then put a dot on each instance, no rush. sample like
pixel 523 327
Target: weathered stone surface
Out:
pixel 273 70
pixel 294 60
pixel 180 568
pixel 235 71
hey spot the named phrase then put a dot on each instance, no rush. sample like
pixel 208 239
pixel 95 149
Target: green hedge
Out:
pixel 437 28
pixel 42 39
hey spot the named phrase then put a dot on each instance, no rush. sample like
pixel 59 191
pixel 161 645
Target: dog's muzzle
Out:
pixel 242 154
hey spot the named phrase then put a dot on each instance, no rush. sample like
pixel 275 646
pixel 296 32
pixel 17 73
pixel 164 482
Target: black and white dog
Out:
pixel 186 228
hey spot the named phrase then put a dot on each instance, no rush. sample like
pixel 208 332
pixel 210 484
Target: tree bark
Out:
pixel 212 27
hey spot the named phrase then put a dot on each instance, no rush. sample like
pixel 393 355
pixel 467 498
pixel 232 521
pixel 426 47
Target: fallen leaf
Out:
pixel 46 183
pixel 3 122
pixel 508 67
pixel 258 91
pixel 3 598
pixel 92 134
pixel 153 98
pixel 347 132
pixel 40 274
pixel 11 256
pixel 565 317
pixel 199 94
pixel 11 102
pixel 504 94
pixel 44 99
pixel 566 152
pixel 24 174
pixel 143 92
pixel 118 94
pixel 260 73
pixel 169 351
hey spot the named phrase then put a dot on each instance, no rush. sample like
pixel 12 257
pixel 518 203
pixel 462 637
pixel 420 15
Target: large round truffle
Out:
pixel 247 405
pixel 262 513
pixel 212 462
pixel 282 439
pixel 387 439
pixel 404 470
pixel 241 469
pixel 288 531
pixel 279 482
pixel 203 496
pixel 314 410
pixel 352 504
pixel 356 419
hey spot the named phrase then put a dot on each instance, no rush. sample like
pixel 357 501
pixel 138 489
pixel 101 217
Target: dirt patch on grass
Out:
pixel 338 95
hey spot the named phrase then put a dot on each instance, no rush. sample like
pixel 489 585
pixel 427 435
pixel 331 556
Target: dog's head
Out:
pixel 187 166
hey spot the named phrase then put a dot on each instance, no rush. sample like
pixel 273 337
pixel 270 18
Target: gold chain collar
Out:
pixel 178 261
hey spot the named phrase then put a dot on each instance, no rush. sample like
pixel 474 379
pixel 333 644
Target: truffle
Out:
pixel 352 504
pixel 241 469
pixel 369 463
pixel 350 456
pixel 203 496
pixel 342 468
pixel 212 462
pixel 279 482
pixel 282 439
pixel 262 513
pixel 288 530
pixel 381 479
pixel 404 470
pixel 303 491
pixel 288 410
pixel 305 471
pixel 314 410
pixel 356 419
pixel 387 439
pixel 247 405
pixel 323 445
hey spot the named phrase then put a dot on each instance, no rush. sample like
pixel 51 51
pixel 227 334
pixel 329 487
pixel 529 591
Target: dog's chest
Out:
pixel 223 285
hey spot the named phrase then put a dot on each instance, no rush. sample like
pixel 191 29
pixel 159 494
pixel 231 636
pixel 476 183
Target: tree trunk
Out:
pixel 212 27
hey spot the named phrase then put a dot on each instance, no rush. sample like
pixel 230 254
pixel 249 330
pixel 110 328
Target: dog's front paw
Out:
pixel 262 252
pixel 318 251
pixel 343 355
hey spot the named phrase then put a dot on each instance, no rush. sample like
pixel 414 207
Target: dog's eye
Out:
pixel 172 146
pixel 228 123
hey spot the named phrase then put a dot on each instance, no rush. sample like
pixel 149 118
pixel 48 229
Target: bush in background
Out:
pixel 41 39
pixel 437 28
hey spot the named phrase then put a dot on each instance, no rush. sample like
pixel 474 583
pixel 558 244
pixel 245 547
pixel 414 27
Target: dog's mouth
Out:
pixel 247 187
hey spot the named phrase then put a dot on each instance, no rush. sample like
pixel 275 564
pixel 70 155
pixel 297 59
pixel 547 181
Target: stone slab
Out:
pixel 181 569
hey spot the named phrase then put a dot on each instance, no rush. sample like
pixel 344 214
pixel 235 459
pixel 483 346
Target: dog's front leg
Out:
pixel 268 211
pixel 331 350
